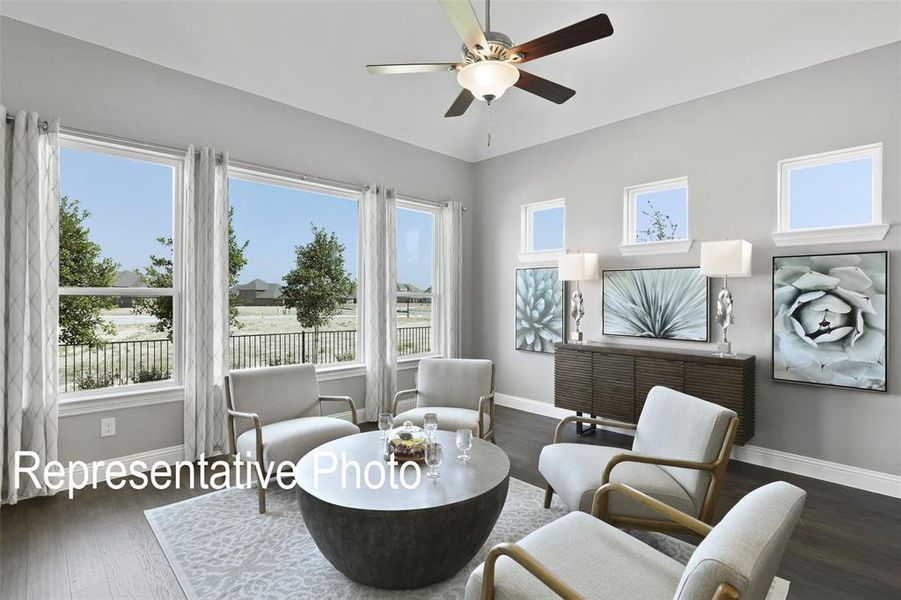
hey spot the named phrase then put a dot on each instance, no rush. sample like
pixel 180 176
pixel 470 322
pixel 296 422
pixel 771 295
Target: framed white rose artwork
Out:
pixel 830 323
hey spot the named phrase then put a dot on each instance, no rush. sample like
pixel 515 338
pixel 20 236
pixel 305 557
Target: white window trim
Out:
pixel 876 230
pixel 527 212
pixel 150 392
pixel 630 247
pixel 329 371
pixel 437 294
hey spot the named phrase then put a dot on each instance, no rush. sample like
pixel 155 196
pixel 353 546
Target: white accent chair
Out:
pixel 679 456
pixel 275 415
pixel 579 556
pixel 460 391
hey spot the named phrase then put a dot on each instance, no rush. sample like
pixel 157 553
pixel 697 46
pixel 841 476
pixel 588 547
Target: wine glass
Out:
pixel 433 459
pixel 430 423
pixel 464 443
pixel 386 422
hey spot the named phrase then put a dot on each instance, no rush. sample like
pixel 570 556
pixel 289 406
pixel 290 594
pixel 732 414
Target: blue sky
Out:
pixel 829 195
pixel 130 202
pixel 671 203
pixel 131 205
pixel 548 229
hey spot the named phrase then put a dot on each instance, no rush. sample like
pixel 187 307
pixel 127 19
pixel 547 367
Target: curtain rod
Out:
pixel 238 164
pixel 12 119
pixel 331 183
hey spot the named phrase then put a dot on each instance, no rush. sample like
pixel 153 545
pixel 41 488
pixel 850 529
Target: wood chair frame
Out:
pixel 258 428
pixel 716 469
pixel 486 403
pixel 725 591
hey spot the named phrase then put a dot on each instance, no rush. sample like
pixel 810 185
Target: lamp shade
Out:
pixel 579 266
pixel 729 258
pixel 488 79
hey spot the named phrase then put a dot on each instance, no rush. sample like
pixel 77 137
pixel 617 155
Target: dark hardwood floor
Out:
pixel 99 546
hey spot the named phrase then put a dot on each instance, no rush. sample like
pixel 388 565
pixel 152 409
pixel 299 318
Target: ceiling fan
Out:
pixel 489 65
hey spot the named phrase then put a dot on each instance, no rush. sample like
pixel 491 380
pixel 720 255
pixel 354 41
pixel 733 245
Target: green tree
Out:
pixel 318 284
pixel 660 228
pixel 81 265
pixel 159 274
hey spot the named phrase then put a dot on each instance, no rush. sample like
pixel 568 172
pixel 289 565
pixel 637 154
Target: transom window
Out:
pixel 417 278
pixel 834 189
pixel 543 230
pixel 294 270
pixel 655 217
pixel 120 275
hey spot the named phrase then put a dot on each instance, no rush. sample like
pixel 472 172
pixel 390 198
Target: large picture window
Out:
pixel 294 257
pixel 119 273
pixel 417 279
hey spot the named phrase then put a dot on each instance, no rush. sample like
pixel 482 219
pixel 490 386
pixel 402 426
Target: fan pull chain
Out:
pixel 489 124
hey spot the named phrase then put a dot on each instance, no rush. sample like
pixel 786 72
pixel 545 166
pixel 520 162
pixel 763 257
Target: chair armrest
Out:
pixel 398 396
pixel 530 564
pixel 576 419
pixel 599 507
pixel 347 399
pixel 655 460
pixel 257 426
pixel 486 402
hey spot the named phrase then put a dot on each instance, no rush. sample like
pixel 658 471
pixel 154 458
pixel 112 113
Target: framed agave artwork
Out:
pixel 540 319
pixel 830 319
pixel 669 304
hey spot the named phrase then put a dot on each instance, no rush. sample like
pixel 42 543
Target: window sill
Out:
pixel 831 235
pixel 412 362
pixel 83 403
pixel 332 372
pixel 546 256
pixel 647 248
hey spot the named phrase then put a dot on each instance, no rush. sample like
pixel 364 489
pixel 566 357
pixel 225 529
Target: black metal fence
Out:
pixel 83 367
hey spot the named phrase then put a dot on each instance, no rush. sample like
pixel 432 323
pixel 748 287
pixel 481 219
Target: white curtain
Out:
pixel 205 302
pixel 380 298
pixel 29 270
pixel 451 269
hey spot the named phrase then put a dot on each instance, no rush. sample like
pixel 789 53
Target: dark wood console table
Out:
pixel 613 381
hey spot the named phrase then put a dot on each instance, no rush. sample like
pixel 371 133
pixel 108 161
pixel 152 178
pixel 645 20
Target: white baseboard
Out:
pixel 544 408
pixel 847 475
pixel 170 455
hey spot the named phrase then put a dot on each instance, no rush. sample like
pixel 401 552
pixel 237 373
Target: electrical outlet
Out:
pixel 107 426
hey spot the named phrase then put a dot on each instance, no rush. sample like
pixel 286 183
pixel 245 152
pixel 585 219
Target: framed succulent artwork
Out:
pixel 830 322
pixel 540 318
pixel 668 304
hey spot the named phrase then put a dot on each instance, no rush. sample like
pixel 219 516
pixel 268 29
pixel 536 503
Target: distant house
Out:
pixel 127 279
pixel 259 293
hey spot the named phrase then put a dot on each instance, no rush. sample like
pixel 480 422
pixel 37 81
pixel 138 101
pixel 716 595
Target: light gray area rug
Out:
pixel 221 548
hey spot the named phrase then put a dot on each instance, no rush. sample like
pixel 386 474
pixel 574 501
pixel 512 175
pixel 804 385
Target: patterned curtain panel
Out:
pixel 206 302
pixel 451 269
pixel 29 269
pixel 380 302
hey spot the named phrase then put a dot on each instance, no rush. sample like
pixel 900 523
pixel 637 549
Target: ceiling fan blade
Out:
pixel 411 68
pixel 544 88
pixel 460 104
pixel 589 30
pixel 463 17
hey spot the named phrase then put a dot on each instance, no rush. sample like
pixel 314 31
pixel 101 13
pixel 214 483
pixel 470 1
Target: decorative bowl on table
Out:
pixel 406 443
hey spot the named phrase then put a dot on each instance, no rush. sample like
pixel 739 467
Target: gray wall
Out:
pixel 93 88
pixel 727 145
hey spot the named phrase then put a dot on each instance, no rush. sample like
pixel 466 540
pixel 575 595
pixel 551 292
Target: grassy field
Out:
pixel 266 335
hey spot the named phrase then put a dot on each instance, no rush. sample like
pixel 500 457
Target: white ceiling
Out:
pixel 311 55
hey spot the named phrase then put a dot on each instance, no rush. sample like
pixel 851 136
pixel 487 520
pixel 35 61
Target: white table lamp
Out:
pixel 578 266
pixel 729 258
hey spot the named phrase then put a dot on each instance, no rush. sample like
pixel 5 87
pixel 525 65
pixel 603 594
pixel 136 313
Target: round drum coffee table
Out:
pixel 397 538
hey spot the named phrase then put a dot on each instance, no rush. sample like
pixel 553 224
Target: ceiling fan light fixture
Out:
pixel 488 79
